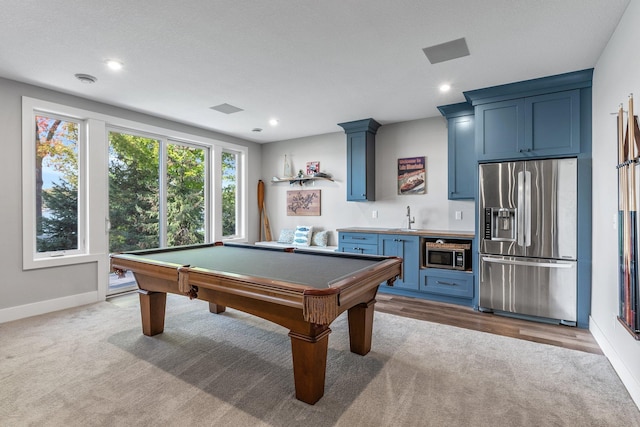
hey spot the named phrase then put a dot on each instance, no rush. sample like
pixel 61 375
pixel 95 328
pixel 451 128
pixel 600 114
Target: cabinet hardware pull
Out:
pixel 445 283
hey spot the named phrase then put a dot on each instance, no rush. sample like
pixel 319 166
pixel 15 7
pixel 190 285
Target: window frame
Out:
pixel 82 185
pixel 93 211
pixel 31 257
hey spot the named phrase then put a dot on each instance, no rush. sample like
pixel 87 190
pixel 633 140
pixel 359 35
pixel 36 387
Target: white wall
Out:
pixel 425 137
pixel 25 293
pixel 616 75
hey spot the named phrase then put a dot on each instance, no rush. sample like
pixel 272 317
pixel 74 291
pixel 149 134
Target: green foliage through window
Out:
pixel 185 195
pixel 229 194
pixel 56 184
pixel 133 192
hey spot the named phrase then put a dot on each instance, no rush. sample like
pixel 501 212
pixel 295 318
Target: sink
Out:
pixel 403 230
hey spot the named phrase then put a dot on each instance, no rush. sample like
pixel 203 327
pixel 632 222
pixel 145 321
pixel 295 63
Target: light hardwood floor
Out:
pixel 464 317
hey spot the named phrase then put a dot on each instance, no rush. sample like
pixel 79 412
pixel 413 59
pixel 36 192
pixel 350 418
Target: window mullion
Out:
pixel 162 190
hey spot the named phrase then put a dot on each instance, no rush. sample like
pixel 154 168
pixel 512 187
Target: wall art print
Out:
pixel 303 203
pixel 313 168
pixel 412 175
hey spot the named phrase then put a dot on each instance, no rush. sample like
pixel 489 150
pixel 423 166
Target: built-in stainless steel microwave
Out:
pixel 454 256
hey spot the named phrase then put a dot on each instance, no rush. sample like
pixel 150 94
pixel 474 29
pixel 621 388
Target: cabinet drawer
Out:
pixel 358 248
pixel 359 238
pixel 455 284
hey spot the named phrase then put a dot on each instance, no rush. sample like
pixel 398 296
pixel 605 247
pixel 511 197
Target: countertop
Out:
pixel 412 232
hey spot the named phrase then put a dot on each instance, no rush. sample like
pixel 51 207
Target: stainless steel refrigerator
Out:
pixel 528 238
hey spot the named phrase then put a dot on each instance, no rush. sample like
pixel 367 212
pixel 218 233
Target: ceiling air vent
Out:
pixel 446 51
pixel 227 108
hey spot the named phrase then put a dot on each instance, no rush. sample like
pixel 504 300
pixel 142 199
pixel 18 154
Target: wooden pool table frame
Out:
pixel 307 312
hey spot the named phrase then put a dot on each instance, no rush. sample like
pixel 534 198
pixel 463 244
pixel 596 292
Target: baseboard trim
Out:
pixel 632 385
pixel 42 307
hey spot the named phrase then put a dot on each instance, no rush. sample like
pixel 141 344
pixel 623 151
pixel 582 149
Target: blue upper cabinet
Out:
pixel 461 150
pixel 531 119
pixel 499 129
pixel 552 123
pixel 361 159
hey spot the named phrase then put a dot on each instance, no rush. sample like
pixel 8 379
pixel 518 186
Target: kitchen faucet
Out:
pixel 409 220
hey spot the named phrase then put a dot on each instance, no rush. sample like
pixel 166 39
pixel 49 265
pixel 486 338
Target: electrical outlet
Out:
pixel 374 214
pixel 459 215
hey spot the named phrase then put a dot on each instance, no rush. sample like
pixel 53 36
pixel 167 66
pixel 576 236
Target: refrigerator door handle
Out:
pixel 520 209
pixel 527 208
pixel 558 264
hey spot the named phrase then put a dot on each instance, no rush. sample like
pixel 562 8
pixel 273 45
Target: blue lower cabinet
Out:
pixel 358 243
pixel 407 248
pixel 447 283
pixel 436 284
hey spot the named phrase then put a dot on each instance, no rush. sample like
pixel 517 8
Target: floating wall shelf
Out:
pixel 300 181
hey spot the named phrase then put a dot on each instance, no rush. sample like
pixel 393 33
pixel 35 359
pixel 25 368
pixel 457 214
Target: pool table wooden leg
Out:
pixel 309 364
pixel 152 308
pixel 216 308
pixel 361 327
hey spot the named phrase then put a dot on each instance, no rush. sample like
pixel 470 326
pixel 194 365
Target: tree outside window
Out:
pixel 56 184
pixel 229 194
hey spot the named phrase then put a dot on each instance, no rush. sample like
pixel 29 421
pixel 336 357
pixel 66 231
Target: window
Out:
pixel 229 169
pixel 134 192
pixel 57 178
pixel 186 201
pixel 94 183
pixel 141 215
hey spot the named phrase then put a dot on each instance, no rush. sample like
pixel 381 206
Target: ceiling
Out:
pixel 310 64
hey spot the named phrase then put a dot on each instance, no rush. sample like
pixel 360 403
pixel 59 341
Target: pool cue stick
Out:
pixel 622 269
pixel 636 289
pixel 260 207
pixel 633 237
pixel 626 225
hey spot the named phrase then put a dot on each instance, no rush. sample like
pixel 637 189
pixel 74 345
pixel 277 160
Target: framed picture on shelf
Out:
pixel 412 175
pixel 312 168
pixel 303 203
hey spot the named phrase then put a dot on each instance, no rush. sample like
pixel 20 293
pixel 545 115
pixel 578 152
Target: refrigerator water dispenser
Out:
pixel 500 224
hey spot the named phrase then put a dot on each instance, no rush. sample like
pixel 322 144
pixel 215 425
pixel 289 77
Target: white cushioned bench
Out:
pixel 306 248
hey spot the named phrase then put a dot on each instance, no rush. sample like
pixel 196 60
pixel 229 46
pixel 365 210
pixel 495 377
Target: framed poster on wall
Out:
pixel 412 175
pixel 303 203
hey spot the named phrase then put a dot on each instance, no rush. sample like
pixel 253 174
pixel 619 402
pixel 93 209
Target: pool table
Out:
pixel 302 291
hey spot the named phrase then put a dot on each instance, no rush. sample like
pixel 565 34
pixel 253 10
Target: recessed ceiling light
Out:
pixel 114 65
pixel 86 78
pixel 273 122
pixel 445 87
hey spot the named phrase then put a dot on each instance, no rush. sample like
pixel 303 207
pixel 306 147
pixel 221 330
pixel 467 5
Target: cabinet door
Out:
pixel 407 248
pixel 499 129
pixel 552 123
pixel 360 168
pixel 462 158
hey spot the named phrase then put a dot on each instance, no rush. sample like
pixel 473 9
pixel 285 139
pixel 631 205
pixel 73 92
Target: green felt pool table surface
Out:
pixel 310 269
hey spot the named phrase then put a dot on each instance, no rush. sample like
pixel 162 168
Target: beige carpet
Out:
pixel 91 366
